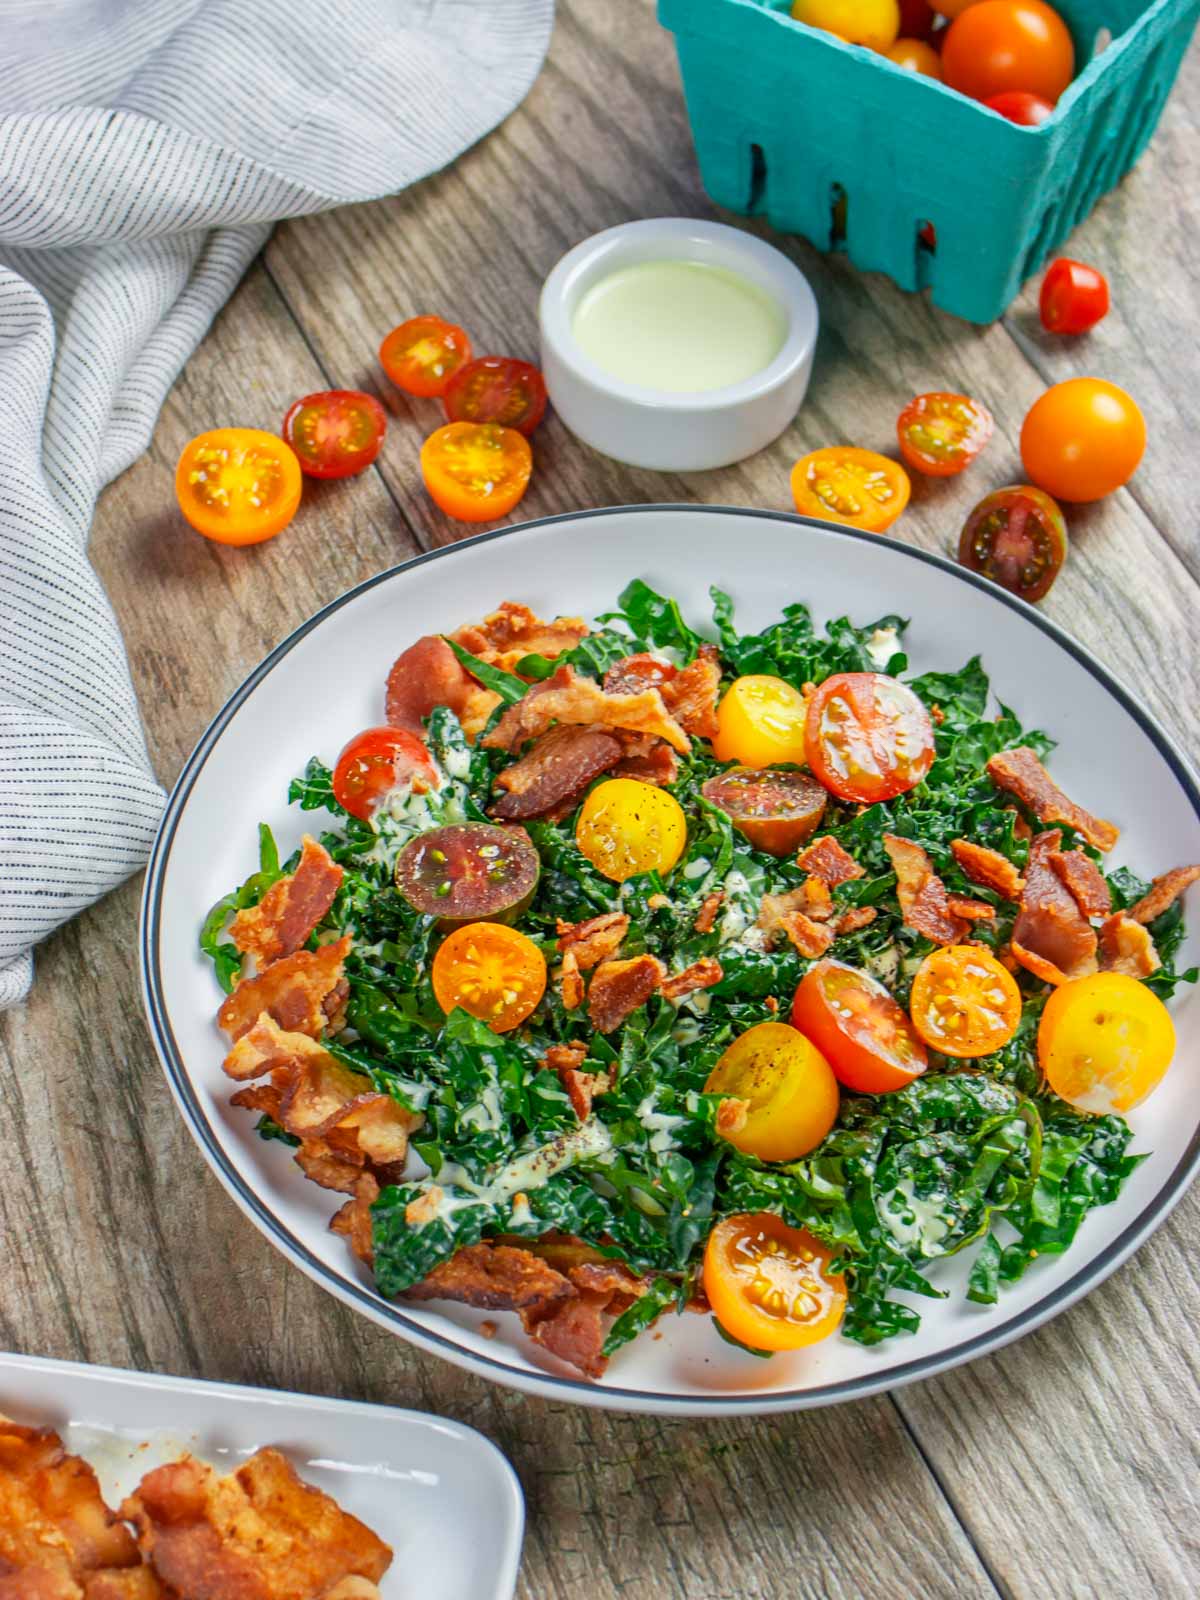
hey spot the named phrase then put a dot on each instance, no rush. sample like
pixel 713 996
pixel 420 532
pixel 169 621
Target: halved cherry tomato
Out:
pixel 423 354
pixel 769 1285
pixel 626 827
pixel 1074 297
pixel 917 19
pixel 335 433
pixel 914 55
pixel 861 1031
pixel 1018 538
pixel 1105 1042
pixel 492 971
pixel 776 811
pixel 787 1090
pixel 469 872
pixel 874 23
pixel 238 485
pixel 497 389
pixel 476 471
pixel 867 737
pixel 760 722
pixel 1026 110
pixel 964 1003
pixel 858 487
pixel 941 434
pixel 1008 44
pixel 1083 439
pixel 374 763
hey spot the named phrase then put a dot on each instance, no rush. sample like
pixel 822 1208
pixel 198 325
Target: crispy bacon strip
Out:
pixel 582 1087
pixel 924 903
pixel 1126 946
pixel 429 674
pixel 826 860
pixel 620 987
pixel 593 940
pixel 971 910
pixel 513 631
pixel 52 1514
pixel 810 938
pixel 647 759
pixel 1085 881
pixel 566 697
pixel 1163 892
pixel 692 694
pixel 555 770
pixel 706 917
pixel 1020 773
pixel 1051 936
pixel 818 902
pixel 132 1583
pixel 302 992
pixel 353 1220
pixel 291 908
pixel 495 1277
pixel 572 982
pixel 702 974
pixel 988 868
pixel 853 919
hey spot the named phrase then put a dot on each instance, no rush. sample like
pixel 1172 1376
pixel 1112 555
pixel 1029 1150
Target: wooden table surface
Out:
pixel 1066 1464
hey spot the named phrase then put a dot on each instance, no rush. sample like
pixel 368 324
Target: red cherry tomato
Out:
pixel 1008 44
pixel 374 763
pixel 1074 297
pixel 867 737
pixel 1025 109
pixel 861 1031
pixel 497 389
pixel 335 433
pixel 917 19
pixel 941 434
pixel 423 354
pixel 1018 538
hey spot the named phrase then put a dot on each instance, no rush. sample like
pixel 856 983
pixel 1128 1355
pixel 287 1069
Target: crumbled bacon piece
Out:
pixel 1085 881
pixel 429 674
pixel 620 987
pixel 970 910
pixel 353 1222
pixel 647 759
pixel 1163 892
pixel 52 1511
pixel 291 908
pixel 513 631
pixel 701 974
pixel 582 1087
pixel 425 1207
pixel 302 992
pixel 785 913
pixel 854 918
pixel 826 860
pixel 594 940
pixel 494 1277
pixel 572 982
pixel 772 1004
pixel 732 1115
pixel 810 938
pixel 690 694
pixel 776 909
pixel 574 1332
pixel 706 917
pixel 566 697
pixel 818 902
pixel 555 771
pixel 988 868
pixel 1126 946
pixel 1051 936
pixel 924 903
pixel 1022 774
pixel 613 1279
pixel 565 1057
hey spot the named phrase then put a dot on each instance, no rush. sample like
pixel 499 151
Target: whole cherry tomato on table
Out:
pixel 964 1003
pixel 374 763
pixel 769 1284
pixel 787 1089
pixel 867 737
pixel 1105 1042
pixel 1083 439
pixel 844 484
pixel 914 55
pixel 497 389
pixel 1074 297
pixel 1026 110
pixel 861 1031
pixel 1018 538
pixel 1008 44
pixel 336 433
pixel 423 354
pixel 238 486
pixel 941 434
pixel 874 23
pixel 475 470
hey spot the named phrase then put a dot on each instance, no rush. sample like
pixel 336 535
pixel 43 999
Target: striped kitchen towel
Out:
pixel 146 147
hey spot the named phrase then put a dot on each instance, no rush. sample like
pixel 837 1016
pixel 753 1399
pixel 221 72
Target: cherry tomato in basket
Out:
pixel 787 1092
pixel 423 354
pixel 627 827
pixel 874 23
pixel 1026 110
pixel 1083 439
pixel 914 55
pixel 777 811
pixel 492 971
pixel 917 19
pixel 1018 538
pixel 1008 44
pixel 497 389
pixel 336 433
pixel 941 434
pixel 1105 1042
pixel 769 1285
pixel 476 471
pixel 376 762
pixel 951 8
pixel 858 487
pixel 964 1003
pixel 861 1031
pixel 238 486
pixel 867 737
pixel 1074 297
pixel 760 721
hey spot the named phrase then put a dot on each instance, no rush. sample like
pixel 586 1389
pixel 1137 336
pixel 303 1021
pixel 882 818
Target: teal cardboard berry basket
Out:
pixel 938 190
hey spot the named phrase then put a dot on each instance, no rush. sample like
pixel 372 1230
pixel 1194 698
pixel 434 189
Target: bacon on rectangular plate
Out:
pixel 1020 773
pixel 291 908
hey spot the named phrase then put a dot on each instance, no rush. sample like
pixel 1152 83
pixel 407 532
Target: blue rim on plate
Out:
pixel 551 1385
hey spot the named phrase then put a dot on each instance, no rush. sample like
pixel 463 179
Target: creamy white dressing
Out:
pixel 884 964
pixel 916 1219
pixel 882 646
pixel 660 1125
pixel 522 1173
pixel 697 868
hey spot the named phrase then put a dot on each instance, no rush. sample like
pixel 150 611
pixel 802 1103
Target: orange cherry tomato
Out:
pixel 941 434
pixel 1105 1042
pixel 423 354
pixel 238 485
pixel 867 737
pixel 476 471
pixel 845 484
pixel 492 971
pixel 374 763
pixel 861 1031
pixel 769 1285
pixel 1083 439
pixel 336 433
pixel 964 1003
pixel 914 55
pixel 1074 297
pixel 497 389
pixel 1008 44
pixel 787 1089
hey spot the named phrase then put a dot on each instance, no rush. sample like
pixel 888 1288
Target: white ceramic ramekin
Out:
pixel 652 427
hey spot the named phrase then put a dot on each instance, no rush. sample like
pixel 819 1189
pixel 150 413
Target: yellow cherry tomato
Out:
pixel 492 971
pixel 760 722
pixel 845 484
pixel 769 1285
pixel 1105 1042
pixel 874 23
pixel 627 827
pixel 914 55
pixel 238 485
pixel 787 1088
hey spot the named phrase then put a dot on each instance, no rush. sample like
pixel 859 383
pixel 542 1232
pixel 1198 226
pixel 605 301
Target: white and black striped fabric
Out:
pixel 146 147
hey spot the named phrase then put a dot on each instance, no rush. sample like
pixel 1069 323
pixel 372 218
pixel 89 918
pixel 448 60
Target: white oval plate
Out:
pixel 326 681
